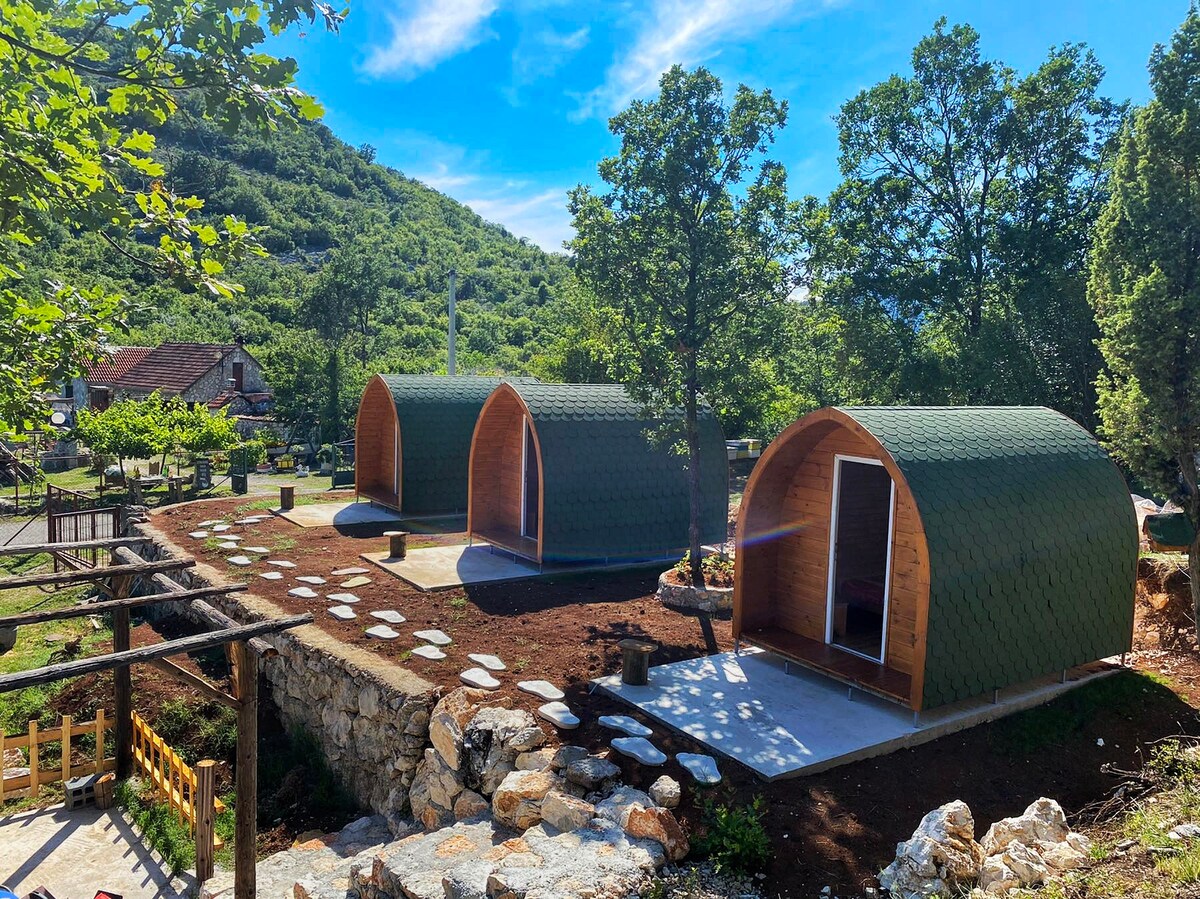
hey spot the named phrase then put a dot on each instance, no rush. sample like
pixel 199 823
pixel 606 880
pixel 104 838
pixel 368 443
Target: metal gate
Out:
pixel 72 517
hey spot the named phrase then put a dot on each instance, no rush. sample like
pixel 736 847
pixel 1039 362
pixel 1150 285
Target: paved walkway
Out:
pixel 34 533
pixel 75 853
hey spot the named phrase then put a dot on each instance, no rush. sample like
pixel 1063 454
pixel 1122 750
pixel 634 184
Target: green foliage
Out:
pixel 159 825
pixel 715 567
pixel 954 250
pixel 689 246
pixel 198 730
pixel 79 82
pixel 140 429
pixel 735 838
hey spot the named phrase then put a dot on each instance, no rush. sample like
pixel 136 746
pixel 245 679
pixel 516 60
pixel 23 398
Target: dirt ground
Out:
pixel 835 829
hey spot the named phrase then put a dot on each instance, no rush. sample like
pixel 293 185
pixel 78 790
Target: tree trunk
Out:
pixel 334 407
pixel 1194 577
pixel 693 442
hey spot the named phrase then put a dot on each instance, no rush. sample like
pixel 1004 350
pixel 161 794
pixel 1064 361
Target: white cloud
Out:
pixel 685 32
pixel 434 30
pixel 539 54
pixel 542 216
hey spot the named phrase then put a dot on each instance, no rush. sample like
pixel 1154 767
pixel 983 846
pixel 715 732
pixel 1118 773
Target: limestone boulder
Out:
pixel 1016 865
pixel 941 857
pixel 565 812
pixel 452 714
pixel 470 804
pixel 444 782
pixel 517 801
pixel 492 740
pixel 666 792
pixel 617 805
pixel 593 773
pixel 538 760
pixel 564 755
pixel 660 825
pixel 1044 821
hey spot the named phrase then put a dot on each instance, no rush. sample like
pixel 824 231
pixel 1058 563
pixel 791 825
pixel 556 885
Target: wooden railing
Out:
pixel 72 517
pixel 64 733
pixel 190 792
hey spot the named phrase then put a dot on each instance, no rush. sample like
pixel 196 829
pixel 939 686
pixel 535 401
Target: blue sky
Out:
pixel 503 104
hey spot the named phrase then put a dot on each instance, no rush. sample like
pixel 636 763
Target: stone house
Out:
pixel 221 376
pixel 92 388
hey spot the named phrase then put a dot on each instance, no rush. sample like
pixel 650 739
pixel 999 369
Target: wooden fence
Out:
pixel 188 791
pixel 73 517
pixel 64 733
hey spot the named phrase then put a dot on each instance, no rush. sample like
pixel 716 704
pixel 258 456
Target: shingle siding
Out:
pixel 1032 542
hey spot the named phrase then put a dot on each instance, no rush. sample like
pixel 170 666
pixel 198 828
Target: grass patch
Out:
pixel 1059 721
pixel 198 730
pixel 160 826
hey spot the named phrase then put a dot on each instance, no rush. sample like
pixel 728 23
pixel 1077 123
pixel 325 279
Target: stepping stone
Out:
pixel 259 550
pixel 639 748
pixel 343 597
pixel 303 592
pixel 221 527
pixel 382 632
pixel 232 538
pixel 342 613
pixel 491 663
pixel 282 563
pixel 624 723
pixel 346 572
pixel 227 545
pixel 390 616
pixel 429 652
pixel 311 579
pixel 209 523
pixel 355 582
pixel 437 638
pixel 239 560
pixel 477 677
pixel 271 576
pixel 541 688
pixel 199 535
pixel 253 520
pixel 559 714
pixel 702 767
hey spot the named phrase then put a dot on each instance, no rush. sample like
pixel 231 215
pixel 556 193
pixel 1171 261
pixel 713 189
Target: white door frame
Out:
pixel 838 459
pixel 524 478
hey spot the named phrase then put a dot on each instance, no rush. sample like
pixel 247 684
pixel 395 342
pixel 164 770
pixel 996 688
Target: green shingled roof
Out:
pixel 610 492
pixel 437 415
pixel 1032 542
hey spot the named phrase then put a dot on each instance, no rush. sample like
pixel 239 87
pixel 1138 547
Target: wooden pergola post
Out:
pixel 122 681
pixel 245 840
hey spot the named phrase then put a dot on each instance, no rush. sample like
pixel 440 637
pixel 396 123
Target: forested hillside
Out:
pixel 358 257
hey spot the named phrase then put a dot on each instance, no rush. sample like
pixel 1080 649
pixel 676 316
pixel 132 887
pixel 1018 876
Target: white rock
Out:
pixel 342 613
pixel 702 767
pixel 543 689
pixel 199 535
pixel 271 576
pixel 219 528
pixel 1016 861
pixel 344 597
pixel 1188 831
pixel 228 544
pixel 1044 821
pixel 254 519
pixel 491 663
pixel 390 616
pixel 437 638
pixel 382 632
pixel 478 677
pixel 357 581
pixel 209 523
pixel 345 572
pixel 311 579
pixel 666 792
pixel 940 858
pixel 559 714
pixel 429 652
pixel 243 561
pixel 281 563
pixel 258 550
pixel 303 592
pixel 639 748
pixel 624 723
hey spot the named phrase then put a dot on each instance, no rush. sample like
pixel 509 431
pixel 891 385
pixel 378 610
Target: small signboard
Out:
pixel 203 478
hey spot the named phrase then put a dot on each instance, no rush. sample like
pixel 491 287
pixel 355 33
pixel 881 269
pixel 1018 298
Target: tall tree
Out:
pixel 957 252
pixel 1145 286
pixel 691 237
pixel 77 77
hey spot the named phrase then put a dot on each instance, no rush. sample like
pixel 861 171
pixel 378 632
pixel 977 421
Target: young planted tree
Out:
pixel 693 234
pixel 76 77
pixel 1145 286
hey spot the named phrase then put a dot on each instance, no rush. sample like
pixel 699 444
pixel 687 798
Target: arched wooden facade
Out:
pixel 932 554
pixel 413 440
pixel 569 472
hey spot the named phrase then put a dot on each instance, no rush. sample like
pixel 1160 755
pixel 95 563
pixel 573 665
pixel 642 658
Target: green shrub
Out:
pixel 735 839
pixel 159 824
pixel 716 567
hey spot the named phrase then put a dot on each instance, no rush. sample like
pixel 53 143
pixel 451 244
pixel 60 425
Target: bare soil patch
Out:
pixel 835 829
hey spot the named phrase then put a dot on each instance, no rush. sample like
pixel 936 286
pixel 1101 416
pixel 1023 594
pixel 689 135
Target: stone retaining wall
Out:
pixel 370 717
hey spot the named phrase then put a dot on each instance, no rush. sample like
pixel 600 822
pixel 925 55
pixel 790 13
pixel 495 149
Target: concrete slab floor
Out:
pixel 75 853
pixel 323 515
pixel 443 567
pixel 787 723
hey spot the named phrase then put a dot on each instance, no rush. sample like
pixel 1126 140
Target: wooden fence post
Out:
pixel 66 749
pixel 204 798
pixel 33 758
pixel 123 685
pixel 100 741
pixel 245 672
pixel 1 766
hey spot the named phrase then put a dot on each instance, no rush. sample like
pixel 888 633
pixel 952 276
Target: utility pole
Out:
pixel 453 322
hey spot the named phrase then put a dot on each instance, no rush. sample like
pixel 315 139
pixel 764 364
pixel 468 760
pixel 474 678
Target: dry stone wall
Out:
pixel 369 718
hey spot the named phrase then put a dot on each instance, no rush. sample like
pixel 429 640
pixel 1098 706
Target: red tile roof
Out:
pixel 174 367
pixel 110 367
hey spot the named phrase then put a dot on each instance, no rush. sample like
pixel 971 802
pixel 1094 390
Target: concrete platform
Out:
pixel 442 567
pixel 746 707
pixel 75 853
pixel 324 515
